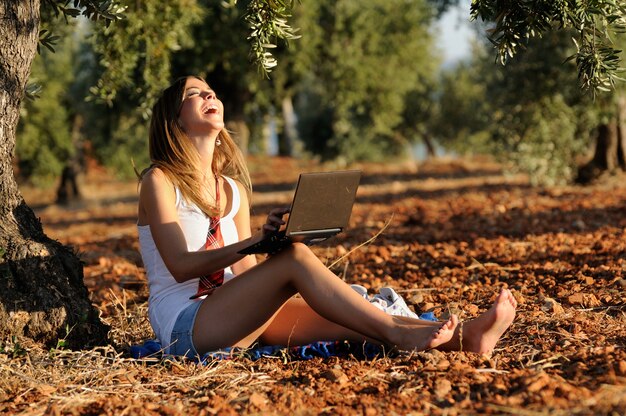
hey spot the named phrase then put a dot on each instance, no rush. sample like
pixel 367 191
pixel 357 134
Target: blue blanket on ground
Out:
pixel 321 349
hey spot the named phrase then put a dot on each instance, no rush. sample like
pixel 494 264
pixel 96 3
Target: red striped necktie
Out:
pixel 208 283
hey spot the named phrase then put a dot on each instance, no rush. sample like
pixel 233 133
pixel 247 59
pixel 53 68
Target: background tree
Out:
pixel 596 25
pixel 529 113
pixel 461 119
pixel 609 136
pixel 45 128
pixel 134 56
pixel 50 130
pixel 369 56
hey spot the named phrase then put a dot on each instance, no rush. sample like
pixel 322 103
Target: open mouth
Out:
pixel 212 109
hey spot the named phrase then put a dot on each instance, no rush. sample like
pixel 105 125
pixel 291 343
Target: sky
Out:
pixel 456 33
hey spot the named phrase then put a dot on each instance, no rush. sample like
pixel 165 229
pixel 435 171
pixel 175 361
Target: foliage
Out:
pixel 267 20
pixel 44 131
pixel 595 22
pixel 268 23
pixel 379 83
pixel 462 117
pixel 220 53
pixel 540 140
pixel 124 145
pixel 106 10
pixel 366 58
pixel 362 76
pixel 529 113
pixel 130 63
pixel 136 51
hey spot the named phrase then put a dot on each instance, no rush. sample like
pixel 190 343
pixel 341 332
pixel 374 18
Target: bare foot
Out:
pixel 481 334
pixel 445 333
pixel 423 338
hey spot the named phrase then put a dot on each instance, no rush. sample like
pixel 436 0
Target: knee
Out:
pixel 298 252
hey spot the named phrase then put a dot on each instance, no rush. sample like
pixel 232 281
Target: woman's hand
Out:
pixel 274 220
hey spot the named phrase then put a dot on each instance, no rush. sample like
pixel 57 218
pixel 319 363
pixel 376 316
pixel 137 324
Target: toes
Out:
pixel 506 296
pixel 449 325
pixel 442 328
pixel 501 297
pixel 444 333
pixel 511 298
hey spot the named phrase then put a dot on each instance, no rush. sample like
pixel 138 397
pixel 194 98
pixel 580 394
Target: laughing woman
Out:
pixel 193 218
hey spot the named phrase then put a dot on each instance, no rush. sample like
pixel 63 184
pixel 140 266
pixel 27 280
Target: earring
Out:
pixel 218 141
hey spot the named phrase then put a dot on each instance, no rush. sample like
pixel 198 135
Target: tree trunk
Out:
pixel 241 132
pixel 621 132
pixel 42 294
pixel 430 146
pixel 288 136
pixel 610 151
pixel 68 190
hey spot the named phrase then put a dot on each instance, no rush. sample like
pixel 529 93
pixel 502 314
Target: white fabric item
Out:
pixel 395 304
pixel 387 300
pixel 361 290
pixel 168 297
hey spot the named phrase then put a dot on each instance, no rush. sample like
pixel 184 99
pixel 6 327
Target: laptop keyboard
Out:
pixel 271 244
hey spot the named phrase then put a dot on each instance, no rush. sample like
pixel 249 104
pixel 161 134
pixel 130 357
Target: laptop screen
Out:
pixel 323 202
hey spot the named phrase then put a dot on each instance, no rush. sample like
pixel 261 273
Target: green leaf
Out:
pixel 33 90
pixel 48 40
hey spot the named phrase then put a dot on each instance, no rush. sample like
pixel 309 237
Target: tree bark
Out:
pixel 241 132
pixel 68 190
pixel 610 150
pixel 621 132
pixel 430 146
pixel 288 135
pixel 42 294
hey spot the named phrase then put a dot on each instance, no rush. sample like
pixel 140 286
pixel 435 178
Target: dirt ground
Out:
pixel 447 235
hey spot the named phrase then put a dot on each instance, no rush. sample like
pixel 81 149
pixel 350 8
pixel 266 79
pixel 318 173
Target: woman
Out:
pixel 197 180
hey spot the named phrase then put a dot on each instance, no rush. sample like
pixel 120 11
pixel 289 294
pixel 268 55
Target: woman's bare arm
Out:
pixel 157 207
pixel 242 222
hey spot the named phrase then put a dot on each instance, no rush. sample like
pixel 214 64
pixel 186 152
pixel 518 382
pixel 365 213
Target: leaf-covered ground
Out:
pixel 446 235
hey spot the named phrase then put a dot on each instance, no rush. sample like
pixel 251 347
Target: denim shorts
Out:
pixel 181 342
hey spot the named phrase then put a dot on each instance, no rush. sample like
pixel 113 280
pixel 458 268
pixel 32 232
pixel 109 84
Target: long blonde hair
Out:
pixel 172 151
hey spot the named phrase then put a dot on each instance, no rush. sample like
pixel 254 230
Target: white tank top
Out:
pixel 168 297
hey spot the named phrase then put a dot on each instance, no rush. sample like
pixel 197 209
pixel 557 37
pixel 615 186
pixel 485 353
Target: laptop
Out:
pixel 320 209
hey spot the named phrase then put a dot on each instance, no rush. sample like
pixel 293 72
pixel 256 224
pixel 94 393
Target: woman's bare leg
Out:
pixel 481 334
pixel 297 323
pixel 244 307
